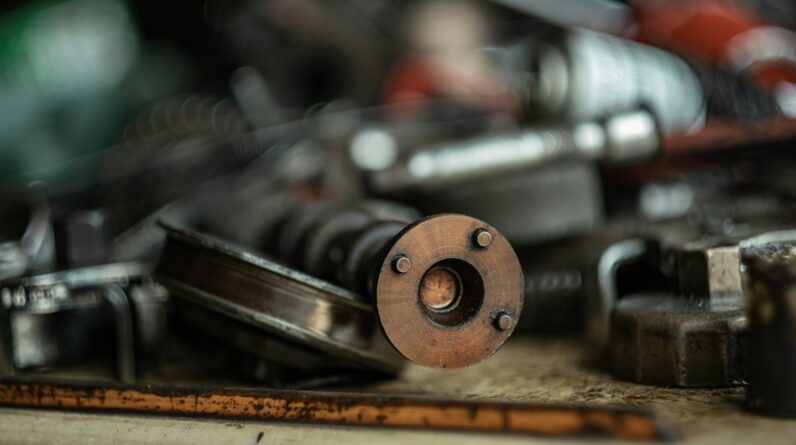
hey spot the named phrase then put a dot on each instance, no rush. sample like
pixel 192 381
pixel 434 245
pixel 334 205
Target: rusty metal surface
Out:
pixel 344 409
pixel 544 369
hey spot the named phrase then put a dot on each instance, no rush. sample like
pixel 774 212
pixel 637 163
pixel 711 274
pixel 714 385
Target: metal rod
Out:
pixel 344 409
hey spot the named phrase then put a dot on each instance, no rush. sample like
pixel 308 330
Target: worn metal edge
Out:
pixel 360 410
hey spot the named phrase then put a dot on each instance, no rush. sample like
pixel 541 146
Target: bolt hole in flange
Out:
pixel 451 292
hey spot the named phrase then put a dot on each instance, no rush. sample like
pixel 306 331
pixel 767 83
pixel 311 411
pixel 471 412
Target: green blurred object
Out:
pixel 67 83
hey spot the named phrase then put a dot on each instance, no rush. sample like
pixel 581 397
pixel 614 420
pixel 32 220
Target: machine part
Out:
pixel 125 349
pixel 220 345
pixel 602 294
pixel 575 283
pixel 711 271
pixel 310 238
pixel 365 410
pixel 148 301
pixel 620 137
pixel 558 201
pixel 323 247
pixel 437 291
pixel 771 296
pixel 673 258
pixel 465 292
pixel 44 314
pixel 553 300
pixel 563 74
pixel 377 147
pixel 710 267
pixel 49 292
pixel 84 238
pixel 240 284
pixel 669 340
pixel 202 322
pixel 358 257
pixel 697 334
pixel 433 283
pixel 26 237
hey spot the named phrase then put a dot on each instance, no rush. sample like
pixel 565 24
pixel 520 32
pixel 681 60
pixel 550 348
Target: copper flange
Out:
pixel 449 291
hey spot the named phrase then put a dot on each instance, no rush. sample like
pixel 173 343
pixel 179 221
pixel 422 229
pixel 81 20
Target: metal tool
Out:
pixel 770 279
pixel 243 285
pixel 51 317
pixel 696 334
pixel 680 341
pixel 219 345
pixel 620 137
pixel 364 410
pixel 575 284
pixel 582 75
pixel 26 236
pixel 692 336
pixel 550 166
pixel 432 283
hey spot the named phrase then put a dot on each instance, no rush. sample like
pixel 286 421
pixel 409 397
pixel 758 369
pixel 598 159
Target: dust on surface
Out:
pixel 555 369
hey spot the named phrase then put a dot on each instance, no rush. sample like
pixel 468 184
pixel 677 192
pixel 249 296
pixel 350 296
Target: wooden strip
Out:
pixel 342 409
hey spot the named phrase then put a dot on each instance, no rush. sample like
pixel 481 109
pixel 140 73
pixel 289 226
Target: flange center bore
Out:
pixel 440 289
pixel 451 292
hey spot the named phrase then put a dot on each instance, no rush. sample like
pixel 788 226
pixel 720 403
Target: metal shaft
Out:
pixel 621 137
pixel 448 277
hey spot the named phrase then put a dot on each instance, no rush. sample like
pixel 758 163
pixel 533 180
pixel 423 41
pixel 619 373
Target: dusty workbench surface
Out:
pixel 538 369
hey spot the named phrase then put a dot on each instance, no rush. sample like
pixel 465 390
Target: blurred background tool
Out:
pixel 619 138
pixel 565 75
pixel 772 349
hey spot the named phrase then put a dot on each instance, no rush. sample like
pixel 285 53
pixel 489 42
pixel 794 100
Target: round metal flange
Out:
pixel 450 307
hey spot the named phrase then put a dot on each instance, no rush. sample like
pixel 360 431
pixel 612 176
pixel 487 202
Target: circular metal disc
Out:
pixel 447 340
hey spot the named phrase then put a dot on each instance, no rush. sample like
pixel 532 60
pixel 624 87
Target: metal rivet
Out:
pixel 503 321
pixel 482 238
pixel 401 264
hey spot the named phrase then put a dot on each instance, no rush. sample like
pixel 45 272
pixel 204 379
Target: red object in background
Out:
pixel 406 86
pixel 408 79
pixel 707 30
pixel 697 28
pixel 415 79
